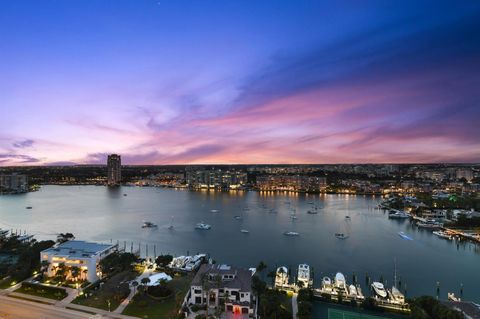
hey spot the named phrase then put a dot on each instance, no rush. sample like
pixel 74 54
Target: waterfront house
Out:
pixel 217 284
pixel 75 253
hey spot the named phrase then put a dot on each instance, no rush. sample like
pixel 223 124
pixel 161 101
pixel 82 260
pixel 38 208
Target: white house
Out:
pixel 233 285
pixel 81 254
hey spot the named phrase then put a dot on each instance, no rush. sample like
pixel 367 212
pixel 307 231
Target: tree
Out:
pixel 75 272
pixel 163 260
pixel 145 281
pixel 64 237
pixel 261 266
pixel 117 262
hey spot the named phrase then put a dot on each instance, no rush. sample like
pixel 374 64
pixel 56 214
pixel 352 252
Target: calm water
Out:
pixel 101 214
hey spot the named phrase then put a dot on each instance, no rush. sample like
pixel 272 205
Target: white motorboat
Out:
pixel 281 276
pixel 238 217
pixel 148 225
pixel 353 290
pixel 379 289
pixel 442 234
pixel 291 233
pixel 326 282
pixel 340 281
pixel 397 295
pixel 244 231
pixel 171 224
pixel 203 226
pixel 214 211
pixel 304 276
pixel 398 215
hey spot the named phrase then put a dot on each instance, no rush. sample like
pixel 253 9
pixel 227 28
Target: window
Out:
pixel 197 291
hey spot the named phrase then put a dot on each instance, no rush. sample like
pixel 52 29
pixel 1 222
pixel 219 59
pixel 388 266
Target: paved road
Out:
pixel 294 305
pixel 11 308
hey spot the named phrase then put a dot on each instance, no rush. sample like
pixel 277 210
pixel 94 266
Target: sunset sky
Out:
pixel 245 81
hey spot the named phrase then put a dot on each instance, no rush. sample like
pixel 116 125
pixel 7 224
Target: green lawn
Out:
pixel 42 291
pixel 112 291
pixel 340 314
pixel 144 307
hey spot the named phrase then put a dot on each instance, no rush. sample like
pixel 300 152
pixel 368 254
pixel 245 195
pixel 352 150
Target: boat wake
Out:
pixel 404 236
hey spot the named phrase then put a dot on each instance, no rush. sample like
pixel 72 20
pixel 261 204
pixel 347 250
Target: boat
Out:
pixel 281 276
pixel 341 236
pixel 203 226
pixel 379 289
pixel 326 282
pixel 396 214
pixel 404 236
pixel 347 217
pixel 442 234
pixel 451 296
pixel 293 216
pixel 396 294
pixel 304 276
pixel 124 194
pixel 246 208
pixel 273 211
pixel 312 212
pixel 291 233
pixel 28 207
pixel 244 231
pixel 171 224
pixel 237 217
pixel 149 225
pixel 340 281
pixel 214 211
pixel 430 225
pixel 353 290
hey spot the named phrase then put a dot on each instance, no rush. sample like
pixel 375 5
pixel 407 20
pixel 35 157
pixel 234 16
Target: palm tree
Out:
pixel 75 272
pixel 145 282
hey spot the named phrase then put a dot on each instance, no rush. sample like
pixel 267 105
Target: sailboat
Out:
pixel 396 294
pixel 342 234
pixel 171 224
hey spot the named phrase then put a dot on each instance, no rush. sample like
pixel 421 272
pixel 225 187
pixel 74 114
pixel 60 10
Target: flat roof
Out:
pixel 77 249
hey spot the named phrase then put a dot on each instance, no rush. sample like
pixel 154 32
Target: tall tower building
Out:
pixel 114 169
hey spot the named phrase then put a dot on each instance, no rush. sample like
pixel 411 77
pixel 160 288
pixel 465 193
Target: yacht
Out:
pixel 149 225
pixel 281 276
pixel 326 282
pixel 430 225
pixel 244 231
pixel 379 289
pixel 353 290
pixel 340 281
pixel 398 215
pixel 341 235
pixel 291 233
pixel 304 276
pixel 397 295
pixel 203 226
pixel 442 234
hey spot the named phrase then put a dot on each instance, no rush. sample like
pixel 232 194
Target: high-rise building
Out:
pixel 16 183
pixel 114 169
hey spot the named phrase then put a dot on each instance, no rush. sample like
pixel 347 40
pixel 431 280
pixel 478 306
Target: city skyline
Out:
pixel 163 82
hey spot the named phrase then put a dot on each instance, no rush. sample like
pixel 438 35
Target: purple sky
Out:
pixel 164 82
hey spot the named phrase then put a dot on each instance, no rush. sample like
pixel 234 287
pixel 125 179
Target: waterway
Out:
pixel 98 213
